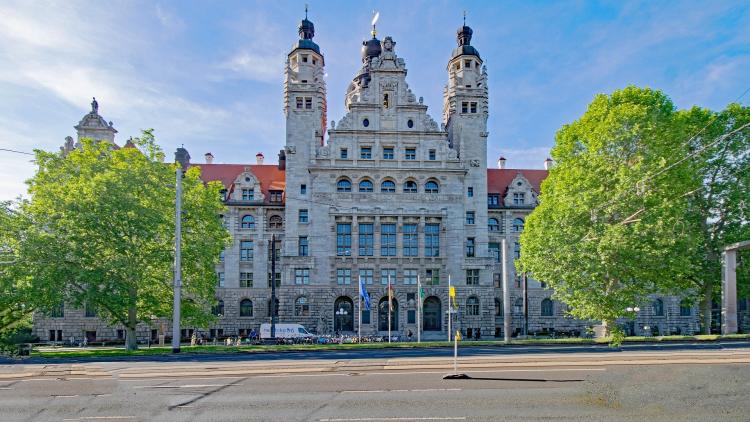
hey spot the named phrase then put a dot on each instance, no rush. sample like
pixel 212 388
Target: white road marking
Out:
pixel 83 418
pixel 421 390
pixel 6 388
pixel 181 378
pixel 430 372
pixel 65 396
pixel 184 386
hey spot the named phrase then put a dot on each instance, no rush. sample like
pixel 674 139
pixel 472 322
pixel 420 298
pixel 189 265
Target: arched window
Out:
pixel 518 306
pixel 275 222
pixel 246 308
pixel 388 186
pixel 686 307
pixel 517 225
pixel 268 311
pixel 548 308
pixel 218 309
pixel 498 307
pixel 493 225
pixel 410 186
pixel 301 307
pixel 344 185
pixel 365 186
pixel 383 315
pixel 343 314
pixel 472 306
pixel 431 187
pixel 248 222
pixel 659 307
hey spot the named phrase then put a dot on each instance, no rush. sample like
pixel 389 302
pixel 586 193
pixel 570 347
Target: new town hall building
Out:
pixel 385 192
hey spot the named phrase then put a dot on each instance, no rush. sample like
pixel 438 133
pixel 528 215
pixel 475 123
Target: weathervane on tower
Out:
pixel 374 21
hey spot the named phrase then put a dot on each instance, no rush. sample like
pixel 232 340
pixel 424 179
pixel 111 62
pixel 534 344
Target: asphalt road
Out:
pixel 593 386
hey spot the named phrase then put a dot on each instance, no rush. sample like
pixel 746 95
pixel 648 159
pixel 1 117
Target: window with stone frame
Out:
pixel 388 153
pixel 385 274
pixel 220 278
pixel 365 153
pixel 308 103
pixel 366 239
pixel 493 200
pixel 388 186
pixel 470 247
pixel 246 250
pixel 494 250
pixel 343 239
pixel 686 307
pixel 432 276
pixel 366 275
pixel 464 107
pixel 218 308
pixel 275 222
pixel 518 224
pixel 388 239
pixel 365 186
pixel 470 217
pixel 344 185
pixel 302 276
pixel 301 307
pixel 303 216
pixel 302 246
pixel 498 307
pixel 410 276
pixel 410 240
pixel 278 280
pixel 276 249
pixel 432 240
pixel 658 307
pixel 410 186
pixel 431 187
pixel 473 107
pixel 519 198
pixel 472 306
pixel 470 192
pixel 246 279
pixel 548 308
pixel 516 250
pixel 472 277
pixel 431 155
pixel 497 280
pixel 247 222
pixel 493 224
pixel 276 195
pixel 246 308
pixel 303 189
pixel 57 311
pixel 343 276
pixel 248 194
pixel 344 154
pixel 299 101
pixel 410 154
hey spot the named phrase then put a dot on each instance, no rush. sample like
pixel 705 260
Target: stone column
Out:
pixel 729 292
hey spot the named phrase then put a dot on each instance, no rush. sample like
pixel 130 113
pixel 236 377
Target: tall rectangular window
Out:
pixel 246 250
pixel 275 195
pixel 517 250
pixel 493 200
pixel 299 103
pixel 365 316
pixel 366 275
pixel 470 217
pixel 303 189
pixel 308 103
pixel 220 277
pixel 302 246
pixel 385 273
pixel 472 277
pixel 365 153
pixel 246 279
pixel 432 156
pixel 470 247
pixel 433 276
pixel 366 240
pixel 410 154
pixel 248 194
pixel 497 279
pixel 410 276
pixel 343 276
pixel 343 239
pixel 432 240
pixel 388 153
pixel 303 216
pixel 494 249
pixel 344 153
pixel 388 239
pixel 519 198
pixel 278 280
pixel 464 107
pixel 411 316
pixel 302 276
pixel 470 191
pixel 411 240
pixel 473 107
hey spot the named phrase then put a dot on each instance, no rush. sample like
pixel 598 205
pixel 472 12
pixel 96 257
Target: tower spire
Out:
pixel 464 17
pixel 305 10
pixel 374 21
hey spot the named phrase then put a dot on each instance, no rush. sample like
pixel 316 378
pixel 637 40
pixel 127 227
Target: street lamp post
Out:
pixel 634 309
pixel 340 314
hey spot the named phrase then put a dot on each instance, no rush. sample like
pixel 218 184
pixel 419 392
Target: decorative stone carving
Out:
pixel 291 149
pixel 474 163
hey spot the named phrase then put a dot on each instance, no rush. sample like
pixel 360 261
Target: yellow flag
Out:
pixel 453 292
pixel 458 335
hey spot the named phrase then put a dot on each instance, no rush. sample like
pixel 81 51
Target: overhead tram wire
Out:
pixel 16 151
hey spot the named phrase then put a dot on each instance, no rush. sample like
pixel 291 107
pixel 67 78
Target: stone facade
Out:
pixel 385 191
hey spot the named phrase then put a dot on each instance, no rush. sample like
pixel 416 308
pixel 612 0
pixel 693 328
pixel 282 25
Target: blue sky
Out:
pixel 209 74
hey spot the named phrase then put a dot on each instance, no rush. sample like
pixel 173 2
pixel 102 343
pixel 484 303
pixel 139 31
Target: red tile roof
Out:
pixel 269 175
pixel 498 180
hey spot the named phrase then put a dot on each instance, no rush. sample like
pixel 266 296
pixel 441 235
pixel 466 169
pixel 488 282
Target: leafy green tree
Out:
pixel 610 228
pixel 98 231
pixel 721 208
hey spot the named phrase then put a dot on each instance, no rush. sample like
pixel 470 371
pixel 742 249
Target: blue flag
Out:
pixel 363 293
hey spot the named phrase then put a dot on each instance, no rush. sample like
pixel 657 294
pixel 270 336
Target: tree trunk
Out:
pixel 132 341
pixel 707 306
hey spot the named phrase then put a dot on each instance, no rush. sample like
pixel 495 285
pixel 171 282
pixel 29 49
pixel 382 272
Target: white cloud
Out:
pixel 252 66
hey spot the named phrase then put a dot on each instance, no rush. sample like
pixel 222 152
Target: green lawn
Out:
pixel 111 352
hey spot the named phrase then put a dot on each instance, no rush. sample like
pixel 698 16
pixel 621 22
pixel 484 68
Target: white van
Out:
pixel 290 331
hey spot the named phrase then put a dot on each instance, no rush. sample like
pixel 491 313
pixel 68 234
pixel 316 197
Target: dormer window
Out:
pixel 275 195
pixel 519 198
pixel 248 194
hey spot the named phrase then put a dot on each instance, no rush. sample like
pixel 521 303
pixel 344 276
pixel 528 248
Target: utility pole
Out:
pixel 507 312
pixel 525 305
pixel 177 253
pixel 273 287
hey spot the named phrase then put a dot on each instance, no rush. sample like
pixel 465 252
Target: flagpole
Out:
pixel 359 306
pixel 450 308
pixel 419 309
pixel 390 305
